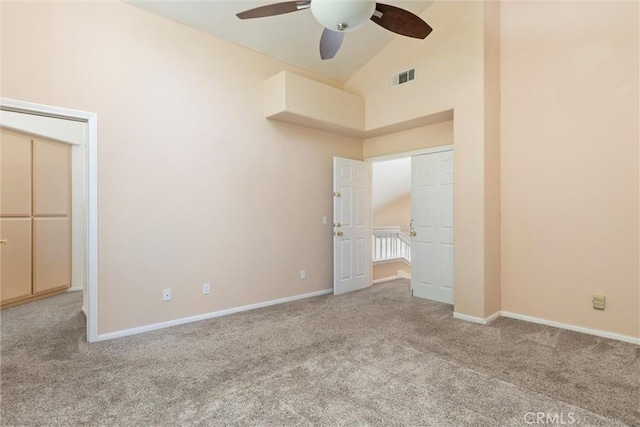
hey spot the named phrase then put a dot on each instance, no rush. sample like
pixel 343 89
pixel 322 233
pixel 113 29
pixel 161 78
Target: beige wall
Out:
pixel 449 76
pixel 492 207
pixel 570 121
pixel 396 213
pixel 194 184
pixel 435 135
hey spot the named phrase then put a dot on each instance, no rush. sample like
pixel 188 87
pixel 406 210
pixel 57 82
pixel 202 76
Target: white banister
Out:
pixel 391 243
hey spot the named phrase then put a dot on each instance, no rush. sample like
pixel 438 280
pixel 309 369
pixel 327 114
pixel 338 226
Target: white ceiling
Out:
pixel 391 181
pixel 292 38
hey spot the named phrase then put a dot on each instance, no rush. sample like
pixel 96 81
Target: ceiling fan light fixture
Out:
pixel 342 15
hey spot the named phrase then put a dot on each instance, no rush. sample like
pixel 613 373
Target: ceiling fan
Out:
pixel 340 16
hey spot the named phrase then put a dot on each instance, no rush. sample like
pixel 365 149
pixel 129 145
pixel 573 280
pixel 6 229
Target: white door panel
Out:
pixel 352 225
pixel 432 226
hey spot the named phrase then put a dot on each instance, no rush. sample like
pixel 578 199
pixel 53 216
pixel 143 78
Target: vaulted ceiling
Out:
pixel 292 38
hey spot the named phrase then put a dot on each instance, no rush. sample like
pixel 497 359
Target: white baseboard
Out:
pixel 384 279
pixel 72 289
pixel 596 332
pixel 182 321
pixel 480 320
pixel 403 274
pixel 400 275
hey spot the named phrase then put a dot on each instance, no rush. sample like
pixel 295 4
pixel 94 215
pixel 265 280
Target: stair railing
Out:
pixel 389 243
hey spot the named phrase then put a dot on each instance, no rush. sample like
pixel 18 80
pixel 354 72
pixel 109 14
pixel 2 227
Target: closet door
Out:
pixel 16 258
pixel 51 256
pixel 51 216
pixel 15 163
pixel 15 213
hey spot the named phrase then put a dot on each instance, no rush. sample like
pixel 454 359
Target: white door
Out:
pixel 352 225
pixel 432 226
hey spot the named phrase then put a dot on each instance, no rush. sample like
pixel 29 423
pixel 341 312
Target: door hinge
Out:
pixel 411 291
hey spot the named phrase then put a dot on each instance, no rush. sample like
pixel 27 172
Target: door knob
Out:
pixel 414 233
pixel 3 242
pixel 338 233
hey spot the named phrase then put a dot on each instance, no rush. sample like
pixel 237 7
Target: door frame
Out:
pixel 395 156
pixel 86 166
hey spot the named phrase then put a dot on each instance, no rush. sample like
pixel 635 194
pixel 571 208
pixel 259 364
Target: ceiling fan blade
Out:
pixel 274 9
pixel 400 21
pixel 330 43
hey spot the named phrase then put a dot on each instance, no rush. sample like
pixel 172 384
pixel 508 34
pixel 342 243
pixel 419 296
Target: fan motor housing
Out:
pixel 342 15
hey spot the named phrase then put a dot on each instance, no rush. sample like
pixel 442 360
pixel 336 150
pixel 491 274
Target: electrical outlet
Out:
pixel 303 274
pixel 206 289
pixel 166 295
pixel 598 302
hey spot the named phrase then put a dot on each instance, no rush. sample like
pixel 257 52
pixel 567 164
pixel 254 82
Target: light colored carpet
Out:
pixel 374 357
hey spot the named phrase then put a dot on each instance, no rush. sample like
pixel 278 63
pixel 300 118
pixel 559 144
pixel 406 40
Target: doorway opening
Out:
pixel 416 189
pixel 53 123
pixel 391 213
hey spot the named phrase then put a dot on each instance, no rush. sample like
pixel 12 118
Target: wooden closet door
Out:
pixel 16 258
pixel 51 215
pixel 15 177
pixel 15 213
pixel 51 254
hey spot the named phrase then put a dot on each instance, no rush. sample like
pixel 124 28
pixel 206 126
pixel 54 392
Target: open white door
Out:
pixel 352 225
pixel 432 226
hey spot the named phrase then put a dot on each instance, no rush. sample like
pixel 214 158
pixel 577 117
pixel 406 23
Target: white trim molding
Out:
pixel 384 279
pixel 403 274
pixel 211 315
pixel 596 332
pixel 479 320
pixel 589 331
pixel 90 177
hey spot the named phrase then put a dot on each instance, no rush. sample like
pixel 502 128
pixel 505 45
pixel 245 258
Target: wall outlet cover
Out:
pixel 598 302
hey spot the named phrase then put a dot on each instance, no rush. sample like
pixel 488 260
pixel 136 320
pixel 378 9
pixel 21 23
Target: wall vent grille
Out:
pixel 403 77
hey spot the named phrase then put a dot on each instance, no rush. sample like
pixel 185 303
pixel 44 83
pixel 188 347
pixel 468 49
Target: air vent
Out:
pixel 403 77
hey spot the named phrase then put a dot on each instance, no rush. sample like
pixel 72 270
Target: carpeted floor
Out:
pixel 374 357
